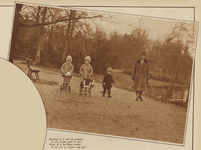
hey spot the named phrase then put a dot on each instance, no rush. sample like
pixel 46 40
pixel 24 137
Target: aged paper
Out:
pixel 117 143
pixel 21 124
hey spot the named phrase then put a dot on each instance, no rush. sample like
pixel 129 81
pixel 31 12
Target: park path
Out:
pixel 120 115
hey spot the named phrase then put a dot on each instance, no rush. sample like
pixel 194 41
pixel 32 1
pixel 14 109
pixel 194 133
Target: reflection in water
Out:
pixel 166 92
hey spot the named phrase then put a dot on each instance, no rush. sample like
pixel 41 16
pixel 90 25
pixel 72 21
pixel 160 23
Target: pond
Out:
pixel 174 93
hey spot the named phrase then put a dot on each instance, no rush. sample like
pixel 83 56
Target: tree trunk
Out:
pixel 72 29
pixel 39 45
pixel 49 48
pixel 66 43
pixel 67 36
pixel 40 36
pixel 15 31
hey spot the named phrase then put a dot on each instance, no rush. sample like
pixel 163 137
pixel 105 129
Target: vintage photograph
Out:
pixel 106 73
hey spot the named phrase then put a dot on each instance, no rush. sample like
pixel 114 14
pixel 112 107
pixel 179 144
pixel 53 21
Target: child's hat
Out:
pixel 69 58
pixel 88 58
pixel 109 69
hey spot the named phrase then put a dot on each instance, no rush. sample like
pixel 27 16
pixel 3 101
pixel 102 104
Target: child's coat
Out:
pixel 86 70
pixel 67 67
pixel 108 80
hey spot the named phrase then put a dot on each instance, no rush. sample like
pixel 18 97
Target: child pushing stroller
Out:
pixel 107 82
pixel 86 73
pixel 67 70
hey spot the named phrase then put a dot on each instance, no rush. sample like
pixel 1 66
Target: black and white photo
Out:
pixel 148 62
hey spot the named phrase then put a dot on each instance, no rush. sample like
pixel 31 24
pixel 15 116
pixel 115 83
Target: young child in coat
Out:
pixel 86 70
pixel 107 82
pixel 67 70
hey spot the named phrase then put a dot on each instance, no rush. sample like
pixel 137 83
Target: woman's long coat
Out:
pixel 140 75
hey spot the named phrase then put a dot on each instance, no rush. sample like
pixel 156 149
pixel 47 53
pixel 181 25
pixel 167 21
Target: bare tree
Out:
pixel 16 25
pixel 41 17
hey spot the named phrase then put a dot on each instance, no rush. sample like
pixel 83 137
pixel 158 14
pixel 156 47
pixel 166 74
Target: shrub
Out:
pixel 127 71
pixel 166 78
pixel 152 75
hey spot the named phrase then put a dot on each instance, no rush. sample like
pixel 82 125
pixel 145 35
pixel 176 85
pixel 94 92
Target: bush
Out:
pixel 166 78
pixel 127 71
pixel 159 77
pixel 152 75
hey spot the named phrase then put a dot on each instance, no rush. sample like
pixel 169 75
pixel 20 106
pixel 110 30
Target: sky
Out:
pixel 156 28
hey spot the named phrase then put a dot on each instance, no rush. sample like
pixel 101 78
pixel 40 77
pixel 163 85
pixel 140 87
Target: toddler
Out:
pixel 67 70
pixel 107 82
pixel 86 71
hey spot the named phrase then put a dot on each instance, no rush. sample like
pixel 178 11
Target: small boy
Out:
pixel 107 82
pixel 67 70
pixel 86 71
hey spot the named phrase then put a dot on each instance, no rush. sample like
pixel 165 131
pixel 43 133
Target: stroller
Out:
pixel 87 85
pixel 65 83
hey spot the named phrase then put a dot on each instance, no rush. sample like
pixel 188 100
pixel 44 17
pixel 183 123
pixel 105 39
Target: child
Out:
pixel 67 70
pixel 86 70
pixel 107 82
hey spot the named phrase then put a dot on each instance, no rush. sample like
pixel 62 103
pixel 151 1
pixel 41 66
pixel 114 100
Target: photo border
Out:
pixel 193 65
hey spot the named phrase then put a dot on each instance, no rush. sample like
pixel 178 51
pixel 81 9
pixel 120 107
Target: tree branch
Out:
pixel 57 21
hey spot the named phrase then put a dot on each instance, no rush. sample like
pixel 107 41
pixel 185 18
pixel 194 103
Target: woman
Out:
pixel 140 75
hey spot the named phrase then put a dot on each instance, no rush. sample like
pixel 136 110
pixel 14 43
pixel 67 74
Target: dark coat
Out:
pixel 108 80
pixel 140 75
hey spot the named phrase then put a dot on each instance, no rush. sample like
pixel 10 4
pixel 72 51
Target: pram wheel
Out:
pixel 69 88
pixel 61 88
pixel 89 91
pixel 80 93
pixel 65 83
pixel 80 90
pixel 86 87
